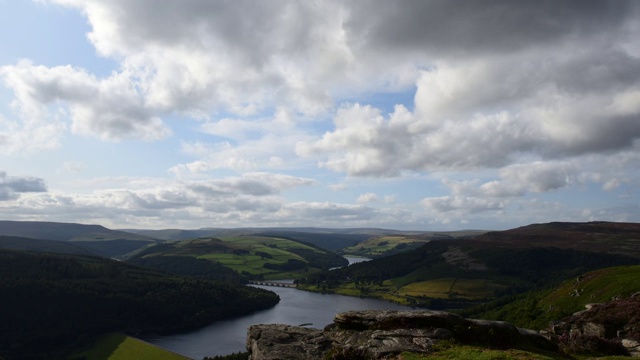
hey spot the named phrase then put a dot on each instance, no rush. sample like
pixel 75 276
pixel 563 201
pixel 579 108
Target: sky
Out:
pixel 411 114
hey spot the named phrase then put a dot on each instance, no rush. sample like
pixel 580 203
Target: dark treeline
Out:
pixel 544 266
pixel 54 303
pixel 189 266
pixel 234 356
pixel 381 269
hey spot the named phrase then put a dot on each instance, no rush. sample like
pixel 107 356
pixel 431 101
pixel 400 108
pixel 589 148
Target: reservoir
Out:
pixel 296 307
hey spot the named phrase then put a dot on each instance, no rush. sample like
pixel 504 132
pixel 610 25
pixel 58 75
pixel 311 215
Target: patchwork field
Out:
pixel 386 245
pixel 255 257
pixel 470 289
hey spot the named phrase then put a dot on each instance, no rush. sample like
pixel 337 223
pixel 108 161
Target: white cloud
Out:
pixel 111 108
pixel 72 167
pixel 338 187
pixel 464 120
pixel 258 144
pixel 512 101
pixel 536 177
pixel 367 198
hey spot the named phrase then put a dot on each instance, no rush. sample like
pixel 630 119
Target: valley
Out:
pixel 459 273
pixel 529 276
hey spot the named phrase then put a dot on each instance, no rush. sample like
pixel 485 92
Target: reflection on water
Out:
pixel 296 307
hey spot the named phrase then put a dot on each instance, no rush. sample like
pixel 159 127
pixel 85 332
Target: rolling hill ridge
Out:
pixel 95 238
pixel 461 272
pixel 254 257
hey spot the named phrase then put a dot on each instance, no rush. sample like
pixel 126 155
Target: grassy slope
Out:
pixel 118 346
pixel 537 309
pixel 489 266
pixel 385 245
pixel 429 273
pixel 597 286
pixel 247 254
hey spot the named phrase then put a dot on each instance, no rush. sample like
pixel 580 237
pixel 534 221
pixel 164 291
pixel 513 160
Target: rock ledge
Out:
pixel 378 334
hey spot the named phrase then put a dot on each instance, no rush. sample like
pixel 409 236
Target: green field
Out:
pixel 254 260
pixel 441 288
pixel 118 346
pixel 257 257
pixel 384 245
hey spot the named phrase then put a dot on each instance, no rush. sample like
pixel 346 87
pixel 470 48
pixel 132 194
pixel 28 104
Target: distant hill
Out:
pixel 255 257
pixel 338 240
pixel 461 272
pixel 59 247
pixel 52 303
pixel 598 236
pixel 96 238
pixel 389 244
pixel 325 238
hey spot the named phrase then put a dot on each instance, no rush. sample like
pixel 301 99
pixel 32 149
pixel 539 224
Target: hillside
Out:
pixel 593 316
pixel 255 257
pixel 536 310
pixel 96 238
pixel 22 243
pixel 461 272
pixel 598 236
pixel 390 244
pixel 328 239
pixel 118 346
pixel 51 303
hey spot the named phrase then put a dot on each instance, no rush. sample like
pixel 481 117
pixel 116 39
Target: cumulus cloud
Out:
pixel 12 187
pixel 463 121
pixel 512 100
pixel 245 145
pixel 233 55
pixel 493 80
pixel 536 177
pixel 367 198
pixel 111 109
pixel 328 212
pixel 490 98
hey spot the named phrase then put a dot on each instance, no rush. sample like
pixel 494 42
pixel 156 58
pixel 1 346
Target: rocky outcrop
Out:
pixel 381 334
pixel 612 328
pixel 286 342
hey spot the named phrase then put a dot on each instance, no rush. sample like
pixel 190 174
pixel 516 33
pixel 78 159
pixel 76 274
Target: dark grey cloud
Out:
pixel 248 30
pixel 468 27
pixel 11 187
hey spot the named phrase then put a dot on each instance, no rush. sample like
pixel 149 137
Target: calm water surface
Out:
pixel 296 307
